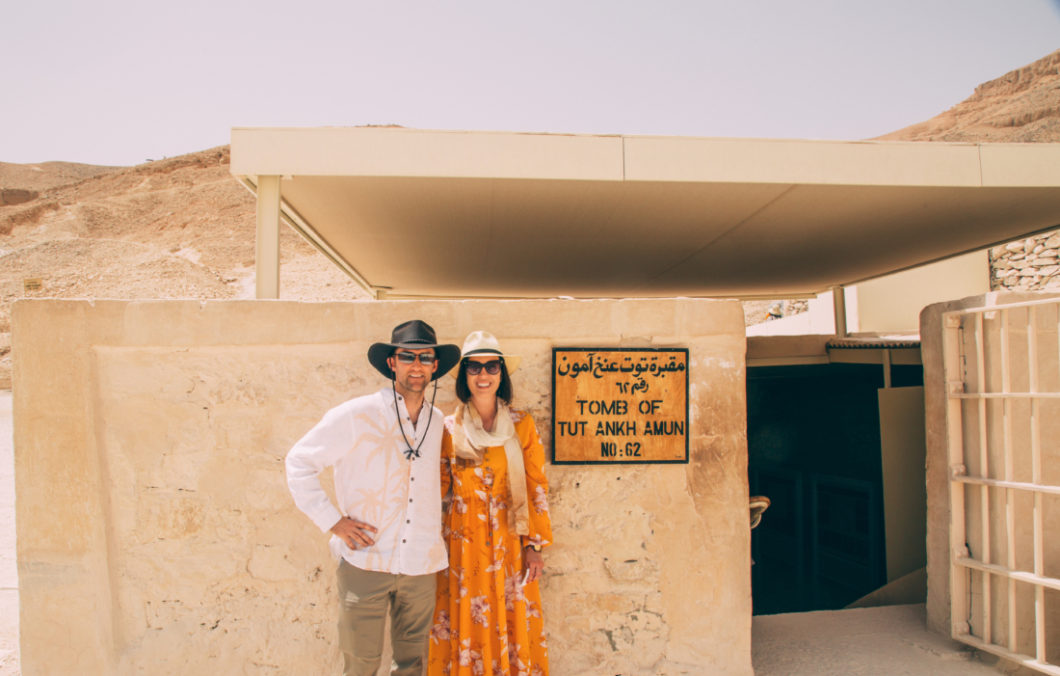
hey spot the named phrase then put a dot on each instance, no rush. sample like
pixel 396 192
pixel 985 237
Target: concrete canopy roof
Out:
pixel 488 214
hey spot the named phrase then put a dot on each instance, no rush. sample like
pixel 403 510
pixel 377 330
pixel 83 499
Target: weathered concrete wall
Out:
pixel 892 304
pixel 156 534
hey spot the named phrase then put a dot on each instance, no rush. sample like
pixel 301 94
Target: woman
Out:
pixel 488 618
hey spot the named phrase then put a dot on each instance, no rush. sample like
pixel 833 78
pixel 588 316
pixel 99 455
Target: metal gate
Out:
pixel 1002 370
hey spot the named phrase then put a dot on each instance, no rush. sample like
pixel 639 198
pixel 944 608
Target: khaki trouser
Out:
pixel 363 599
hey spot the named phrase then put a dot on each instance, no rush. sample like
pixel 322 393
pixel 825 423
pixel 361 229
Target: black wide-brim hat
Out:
pixel 413 335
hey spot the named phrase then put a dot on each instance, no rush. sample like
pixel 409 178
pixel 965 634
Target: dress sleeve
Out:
pixel 536 483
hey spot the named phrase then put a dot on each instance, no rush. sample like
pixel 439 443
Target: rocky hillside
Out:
pixel 1022 106
pixel 176 228
pixel 27 180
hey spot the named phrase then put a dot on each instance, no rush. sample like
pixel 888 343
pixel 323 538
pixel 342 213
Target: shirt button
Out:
pixel 408 520
pixel 410 499
pixel 412 478
pixel 403 541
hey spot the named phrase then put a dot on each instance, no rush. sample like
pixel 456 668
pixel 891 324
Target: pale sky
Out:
pixel 122 81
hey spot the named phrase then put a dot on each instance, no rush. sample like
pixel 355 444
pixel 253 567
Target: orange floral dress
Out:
pixel 486 622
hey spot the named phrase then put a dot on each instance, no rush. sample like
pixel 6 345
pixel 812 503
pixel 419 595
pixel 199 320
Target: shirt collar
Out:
pixel 388 395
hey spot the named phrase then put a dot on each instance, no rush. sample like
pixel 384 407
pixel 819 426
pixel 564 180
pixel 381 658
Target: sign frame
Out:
pixel 688 430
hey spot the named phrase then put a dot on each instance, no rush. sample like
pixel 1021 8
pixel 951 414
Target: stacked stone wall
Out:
pixel 1028 264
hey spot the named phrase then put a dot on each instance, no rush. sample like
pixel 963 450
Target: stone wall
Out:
pixel 156 534
pixel 1026 264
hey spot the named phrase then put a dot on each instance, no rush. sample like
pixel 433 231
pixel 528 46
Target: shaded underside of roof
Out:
pixel 468 214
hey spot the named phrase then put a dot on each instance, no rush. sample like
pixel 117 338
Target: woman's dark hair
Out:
pixel 504 390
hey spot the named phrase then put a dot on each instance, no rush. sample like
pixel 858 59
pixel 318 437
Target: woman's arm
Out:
pixel 540 534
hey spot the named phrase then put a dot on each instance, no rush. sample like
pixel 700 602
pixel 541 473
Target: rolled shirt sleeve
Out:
pixel 321 447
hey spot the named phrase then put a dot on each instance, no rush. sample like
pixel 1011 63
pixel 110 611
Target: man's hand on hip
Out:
pixel 354 533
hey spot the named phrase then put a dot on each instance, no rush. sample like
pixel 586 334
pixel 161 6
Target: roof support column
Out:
pixel 267 246
pixel 839 307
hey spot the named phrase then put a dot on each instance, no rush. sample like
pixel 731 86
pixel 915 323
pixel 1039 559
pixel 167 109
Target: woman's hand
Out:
pixel 533 564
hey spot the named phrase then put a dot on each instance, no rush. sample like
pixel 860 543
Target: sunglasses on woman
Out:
pixel 493 367
pixel 408 357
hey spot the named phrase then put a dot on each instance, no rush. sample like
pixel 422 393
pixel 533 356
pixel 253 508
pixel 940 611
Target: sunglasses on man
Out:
pixel 424 358
pixel 493 367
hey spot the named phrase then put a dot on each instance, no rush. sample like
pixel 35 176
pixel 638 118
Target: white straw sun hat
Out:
pixel 483 343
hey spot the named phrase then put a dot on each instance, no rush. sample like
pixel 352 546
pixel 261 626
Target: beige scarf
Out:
pixel 470 441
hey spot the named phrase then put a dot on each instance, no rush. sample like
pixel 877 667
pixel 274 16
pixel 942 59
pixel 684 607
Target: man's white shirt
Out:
pixel 375 482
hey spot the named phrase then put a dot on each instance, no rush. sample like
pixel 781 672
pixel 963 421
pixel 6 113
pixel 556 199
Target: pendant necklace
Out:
pixel 412 453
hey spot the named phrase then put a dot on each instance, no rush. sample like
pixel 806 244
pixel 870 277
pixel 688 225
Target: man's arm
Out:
pixel 321 447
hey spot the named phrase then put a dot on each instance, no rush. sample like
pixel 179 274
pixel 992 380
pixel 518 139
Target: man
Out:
pixel 386 532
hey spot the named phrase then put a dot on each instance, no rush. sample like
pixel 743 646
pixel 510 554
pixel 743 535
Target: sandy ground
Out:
pixel 891 640
pixel 8 570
